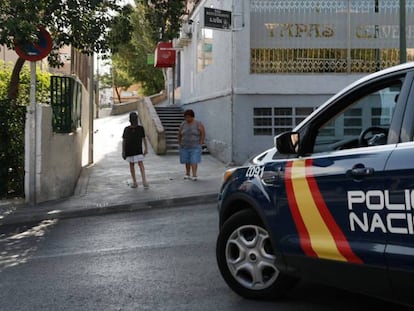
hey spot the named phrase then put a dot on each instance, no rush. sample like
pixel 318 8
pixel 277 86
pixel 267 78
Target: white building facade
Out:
pixel 279 60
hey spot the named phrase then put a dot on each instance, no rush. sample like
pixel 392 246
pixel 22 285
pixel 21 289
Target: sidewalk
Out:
pixel 104 187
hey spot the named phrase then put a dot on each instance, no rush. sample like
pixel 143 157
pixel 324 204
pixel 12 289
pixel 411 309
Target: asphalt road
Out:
pixel 162 259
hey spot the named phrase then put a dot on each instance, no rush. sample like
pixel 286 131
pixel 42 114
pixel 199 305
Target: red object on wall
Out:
pixel 164 55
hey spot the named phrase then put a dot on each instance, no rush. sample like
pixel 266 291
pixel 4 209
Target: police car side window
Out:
pixel 364 122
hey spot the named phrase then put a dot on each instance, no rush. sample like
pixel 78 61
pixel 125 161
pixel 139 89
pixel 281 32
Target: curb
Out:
pixel 37 216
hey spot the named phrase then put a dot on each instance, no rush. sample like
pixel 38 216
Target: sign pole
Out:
pixel 31 153
pixel 33 52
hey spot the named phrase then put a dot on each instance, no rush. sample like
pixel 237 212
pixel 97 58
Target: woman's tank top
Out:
pixel 190 135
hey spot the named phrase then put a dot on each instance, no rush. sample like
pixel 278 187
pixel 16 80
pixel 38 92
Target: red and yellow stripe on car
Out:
pixel 320 236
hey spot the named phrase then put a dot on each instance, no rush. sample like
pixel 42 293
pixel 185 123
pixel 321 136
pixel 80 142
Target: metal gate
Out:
pixel 66 99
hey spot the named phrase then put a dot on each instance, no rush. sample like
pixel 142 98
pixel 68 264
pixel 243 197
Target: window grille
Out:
pixel 273 121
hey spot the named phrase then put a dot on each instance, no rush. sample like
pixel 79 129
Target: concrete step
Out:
pixel 172 123
pixel 171 120
pixel 171 129
pixel 171 143
pixel 172 136
pixel 170 115
pixel 169 109
pixel 165 111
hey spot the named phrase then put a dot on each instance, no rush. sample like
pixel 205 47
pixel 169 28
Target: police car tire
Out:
pixel 280 285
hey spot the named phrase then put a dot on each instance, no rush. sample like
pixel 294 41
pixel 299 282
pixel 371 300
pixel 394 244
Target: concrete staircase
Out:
pixel 171 117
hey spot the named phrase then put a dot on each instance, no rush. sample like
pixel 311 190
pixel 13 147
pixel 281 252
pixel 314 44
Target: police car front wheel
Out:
pixel 246 258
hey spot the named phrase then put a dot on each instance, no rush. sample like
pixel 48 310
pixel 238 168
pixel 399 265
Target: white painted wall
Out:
pixel 225 93
pixel 60 156
pixel 215 79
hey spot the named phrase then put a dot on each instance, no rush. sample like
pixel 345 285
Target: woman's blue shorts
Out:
pixel 190 155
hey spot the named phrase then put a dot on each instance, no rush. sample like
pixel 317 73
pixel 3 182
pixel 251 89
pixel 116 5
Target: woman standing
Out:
pixel 191 136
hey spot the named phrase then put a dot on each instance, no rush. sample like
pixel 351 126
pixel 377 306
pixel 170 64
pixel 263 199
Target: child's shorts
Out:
pixel 135 159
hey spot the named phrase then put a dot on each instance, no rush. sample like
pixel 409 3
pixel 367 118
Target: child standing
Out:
pixel 133 138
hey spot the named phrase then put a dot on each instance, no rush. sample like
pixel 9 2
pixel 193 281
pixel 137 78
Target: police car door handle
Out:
pixel 272 177
pixel 361 171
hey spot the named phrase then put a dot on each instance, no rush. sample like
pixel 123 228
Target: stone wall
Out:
pixel 153 127
pixel 126 107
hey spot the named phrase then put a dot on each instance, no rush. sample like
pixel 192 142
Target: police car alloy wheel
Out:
pixel 246 258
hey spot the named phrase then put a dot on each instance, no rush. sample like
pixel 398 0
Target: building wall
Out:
pixel 225 94
pixel 216 115
pixel 246 143
pixel 270 90
pixel 215 79
pixel 208 91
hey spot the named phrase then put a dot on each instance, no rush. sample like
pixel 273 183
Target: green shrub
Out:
pixel 12 127
pixel 42 85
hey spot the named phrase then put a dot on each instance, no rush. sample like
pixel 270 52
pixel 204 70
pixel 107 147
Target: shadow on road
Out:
pixel 17 244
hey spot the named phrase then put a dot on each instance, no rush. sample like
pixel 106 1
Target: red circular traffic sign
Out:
pixel 36 51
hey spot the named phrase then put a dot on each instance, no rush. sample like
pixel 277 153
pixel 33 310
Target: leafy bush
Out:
pixel 12 127
pixel 42 85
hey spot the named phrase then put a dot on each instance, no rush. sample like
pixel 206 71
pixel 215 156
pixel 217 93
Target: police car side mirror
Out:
pixel 287 143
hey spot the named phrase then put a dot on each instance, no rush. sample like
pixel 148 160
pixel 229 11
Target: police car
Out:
pixel 336 205
pixel 262 157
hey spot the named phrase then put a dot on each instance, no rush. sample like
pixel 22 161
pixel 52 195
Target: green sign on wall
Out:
pixel 150 59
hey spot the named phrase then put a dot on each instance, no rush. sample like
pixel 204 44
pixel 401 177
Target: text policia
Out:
pixel 379 210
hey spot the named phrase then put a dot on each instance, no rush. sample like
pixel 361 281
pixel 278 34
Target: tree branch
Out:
pixel 13 90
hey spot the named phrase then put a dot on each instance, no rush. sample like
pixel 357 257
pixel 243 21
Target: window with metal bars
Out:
pixel 273 121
